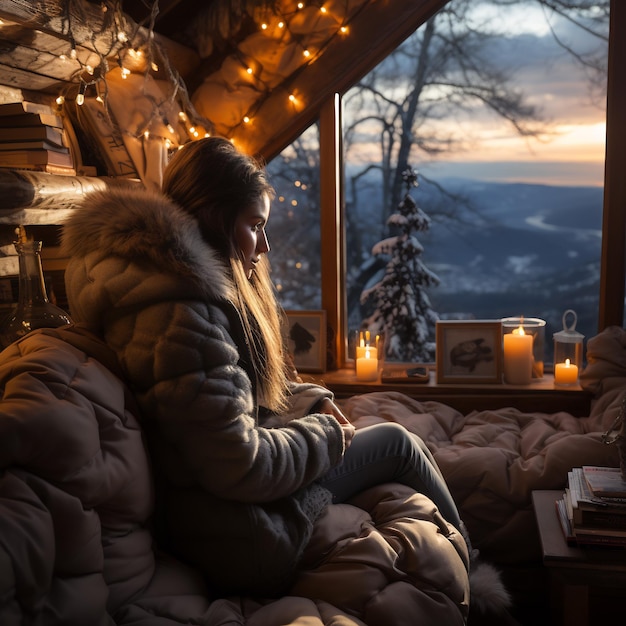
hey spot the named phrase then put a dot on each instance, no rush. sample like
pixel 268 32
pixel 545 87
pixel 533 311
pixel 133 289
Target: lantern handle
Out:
pixel 573 326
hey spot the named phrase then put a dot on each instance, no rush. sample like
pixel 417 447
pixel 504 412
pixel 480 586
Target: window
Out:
pixel 295 222
pixel 516 217
pixel 612 270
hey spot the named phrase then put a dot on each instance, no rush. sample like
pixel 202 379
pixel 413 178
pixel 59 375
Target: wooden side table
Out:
pixel 573 570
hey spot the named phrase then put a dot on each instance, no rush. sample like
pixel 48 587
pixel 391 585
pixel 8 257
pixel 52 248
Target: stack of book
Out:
pixel 32 136
pixel 593 509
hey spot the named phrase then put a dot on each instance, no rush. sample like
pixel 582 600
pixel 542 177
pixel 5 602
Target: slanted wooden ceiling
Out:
pixel 237 58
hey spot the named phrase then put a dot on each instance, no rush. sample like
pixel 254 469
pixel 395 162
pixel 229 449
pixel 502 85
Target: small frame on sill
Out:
pixel 305 337
pixel 469 351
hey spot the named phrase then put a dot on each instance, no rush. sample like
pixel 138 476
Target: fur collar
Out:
pixel 137 224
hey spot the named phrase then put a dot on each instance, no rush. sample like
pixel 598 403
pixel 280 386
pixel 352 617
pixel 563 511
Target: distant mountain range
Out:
pixel 523 249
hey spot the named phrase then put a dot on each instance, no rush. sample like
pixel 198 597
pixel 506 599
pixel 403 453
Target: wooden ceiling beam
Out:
pixel 32 30
pixel 374 34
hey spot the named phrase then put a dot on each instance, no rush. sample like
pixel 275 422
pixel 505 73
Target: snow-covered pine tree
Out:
pixel 401 307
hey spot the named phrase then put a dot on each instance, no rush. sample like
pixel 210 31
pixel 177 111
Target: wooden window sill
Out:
pixel 540 396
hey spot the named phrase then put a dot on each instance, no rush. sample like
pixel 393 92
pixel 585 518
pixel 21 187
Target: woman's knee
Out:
pixel 396 436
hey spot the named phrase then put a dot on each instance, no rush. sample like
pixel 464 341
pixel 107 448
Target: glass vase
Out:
pixel 33 309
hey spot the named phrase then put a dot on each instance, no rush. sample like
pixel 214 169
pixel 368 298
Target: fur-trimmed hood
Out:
pixel 142 225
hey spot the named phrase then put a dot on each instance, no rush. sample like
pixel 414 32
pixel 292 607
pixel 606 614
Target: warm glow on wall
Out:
pixel 285 28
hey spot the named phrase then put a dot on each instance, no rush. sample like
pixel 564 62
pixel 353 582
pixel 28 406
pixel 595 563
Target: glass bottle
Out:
pixel 33 309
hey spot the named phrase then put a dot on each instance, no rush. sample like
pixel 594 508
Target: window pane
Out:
pixel 503 120
pixel 295 223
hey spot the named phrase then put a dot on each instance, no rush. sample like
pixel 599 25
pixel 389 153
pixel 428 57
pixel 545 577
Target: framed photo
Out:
pixel 306 339
pixel 469 351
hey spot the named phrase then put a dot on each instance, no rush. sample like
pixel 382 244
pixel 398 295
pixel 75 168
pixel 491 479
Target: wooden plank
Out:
pixel 22 79
pixel 87 21
pixel 613 259
pixel 25 62
pixel 539 395
pixel 331 225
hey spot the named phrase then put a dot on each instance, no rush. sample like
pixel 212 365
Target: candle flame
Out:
pixel 519 331
pixel 567 363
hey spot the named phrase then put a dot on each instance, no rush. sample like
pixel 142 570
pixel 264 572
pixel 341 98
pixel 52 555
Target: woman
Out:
pixel 178 285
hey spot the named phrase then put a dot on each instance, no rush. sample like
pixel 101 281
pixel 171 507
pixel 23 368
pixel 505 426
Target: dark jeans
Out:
pixel 388 452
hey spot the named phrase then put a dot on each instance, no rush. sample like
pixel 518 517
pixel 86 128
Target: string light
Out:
pixel 135 51
pixel 80 97
pixel 295 37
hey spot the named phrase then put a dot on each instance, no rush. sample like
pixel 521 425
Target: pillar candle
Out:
pixel 565 373
pixel 518 357
pixel 367 367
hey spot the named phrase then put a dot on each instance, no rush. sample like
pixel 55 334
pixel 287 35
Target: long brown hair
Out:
pixel 213 181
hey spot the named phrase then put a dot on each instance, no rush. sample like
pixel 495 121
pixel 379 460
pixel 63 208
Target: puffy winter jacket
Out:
pixel 234 491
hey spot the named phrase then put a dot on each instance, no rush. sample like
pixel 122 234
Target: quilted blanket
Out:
pixel 493 460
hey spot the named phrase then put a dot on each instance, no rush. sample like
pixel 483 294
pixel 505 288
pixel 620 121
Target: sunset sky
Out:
pixel 571 151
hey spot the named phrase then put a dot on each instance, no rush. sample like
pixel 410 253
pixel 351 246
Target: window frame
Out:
pixel 613 252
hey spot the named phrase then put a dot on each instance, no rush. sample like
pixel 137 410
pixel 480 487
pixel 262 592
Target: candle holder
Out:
pixel 536 328
pixel 568 352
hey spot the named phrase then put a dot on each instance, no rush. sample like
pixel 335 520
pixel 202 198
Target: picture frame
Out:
pixel 305 338
pixel 469 351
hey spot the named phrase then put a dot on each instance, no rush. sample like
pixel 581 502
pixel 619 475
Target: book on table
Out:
pixel 565 521
pixel 590 537
pixel 583 536
pixel 605 482
pixel 589 520
pixel 591 510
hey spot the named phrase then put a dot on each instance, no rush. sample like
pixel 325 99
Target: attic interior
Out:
pixel 259 72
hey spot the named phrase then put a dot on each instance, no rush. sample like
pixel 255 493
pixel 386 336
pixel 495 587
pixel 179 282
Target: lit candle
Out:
pixel 367 366
pixel 360 349
pixel 364 344
pixel 565 373
pixel 518 357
